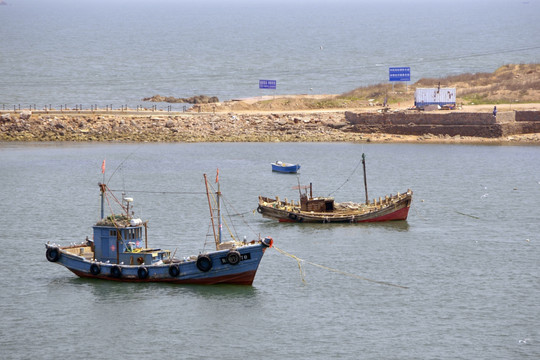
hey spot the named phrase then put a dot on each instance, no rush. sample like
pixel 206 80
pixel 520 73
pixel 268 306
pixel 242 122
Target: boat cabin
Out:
pixel 120 240
pixel 316 204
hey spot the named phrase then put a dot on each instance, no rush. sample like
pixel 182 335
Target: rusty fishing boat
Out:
pixel 326 210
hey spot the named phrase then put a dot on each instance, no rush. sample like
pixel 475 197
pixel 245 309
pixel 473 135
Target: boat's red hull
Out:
pixel 245 278
pixel 401 214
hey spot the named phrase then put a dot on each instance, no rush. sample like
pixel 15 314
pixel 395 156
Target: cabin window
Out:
pixel 112 233
pixel 133 234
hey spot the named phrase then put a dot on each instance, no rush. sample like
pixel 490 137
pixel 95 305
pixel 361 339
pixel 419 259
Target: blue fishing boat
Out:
pixel 119 251
pixel 280 166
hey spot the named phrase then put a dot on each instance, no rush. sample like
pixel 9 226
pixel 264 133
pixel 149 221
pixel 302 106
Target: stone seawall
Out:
pixel 323 126
pixel 173 127
pixel 448 123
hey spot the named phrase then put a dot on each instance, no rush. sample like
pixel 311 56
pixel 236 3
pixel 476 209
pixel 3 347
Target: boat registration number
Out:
pixel 242 258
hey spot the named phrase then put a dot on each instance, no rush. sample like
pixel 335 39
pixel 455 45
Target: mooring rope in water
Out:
pixel 418 214
pixel 300 261
pixel 471 216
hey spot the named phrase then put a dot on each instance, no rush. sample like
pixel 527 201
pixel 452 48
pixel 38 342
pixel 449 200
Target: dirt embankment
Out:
pixel 175 127
pixel 303 118
pixel 287 126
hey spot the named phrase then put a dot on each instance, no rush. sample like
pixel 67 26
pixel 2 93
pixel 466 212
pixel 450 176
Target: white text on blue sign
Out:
pixel 267 84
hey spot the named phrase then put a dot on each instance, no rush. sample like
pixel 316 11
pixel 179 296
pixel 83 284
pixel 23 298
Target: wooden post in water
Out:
pixel 365 179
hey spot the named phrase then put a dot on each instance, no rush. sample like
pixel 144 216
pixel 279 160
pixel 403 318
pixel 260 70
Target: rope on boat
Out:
pixel 223 221
pixel 347 180
pixel 120 166
pixel 162 192
pixel 300 261
pixel 227 205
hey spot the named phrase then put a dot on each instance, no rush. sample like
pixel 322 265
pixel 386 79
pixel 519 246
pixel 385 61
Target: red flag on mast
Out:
pixel 103 167
pixel 217 175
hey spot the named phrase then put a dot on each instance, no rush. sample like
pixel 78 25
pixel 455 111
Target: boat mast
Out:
pixel 218 194
pixel 365 179
pixel 102 188
pixel 299 187
pixel 216 239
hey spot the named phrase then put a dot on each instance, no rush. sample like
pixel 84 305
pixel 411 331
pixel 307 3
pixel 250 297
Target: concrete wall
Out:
pixel 447 123
pixel 531 116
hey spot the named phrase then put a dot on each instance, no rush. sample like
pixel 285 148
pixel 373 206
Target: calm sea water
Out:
pixel 116 52
pixel 469 254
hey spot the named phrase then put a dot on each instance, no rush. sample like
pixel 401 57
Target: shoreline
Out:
pixel 329 125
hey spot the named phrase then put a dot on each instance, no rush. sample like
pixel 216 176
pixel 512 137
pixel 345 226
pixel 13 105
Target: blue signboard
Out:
pixel 400 73
pixel 267 84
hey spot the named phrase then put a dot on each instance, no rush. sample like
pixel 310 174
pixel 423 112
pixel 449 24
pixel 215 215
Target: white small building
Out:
pixel 434 96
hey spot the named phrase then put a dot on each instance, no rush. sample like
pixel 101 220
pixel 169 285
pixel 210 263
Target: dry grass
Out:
pixel 517 83
pixel 509 83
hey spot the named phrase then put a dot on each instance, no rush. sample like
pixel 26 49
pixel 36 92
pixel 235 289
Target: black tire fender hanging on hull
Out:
pixel 53 254
pixel 95 269
pixel 174 270
pixel 116 271
pixel 142 272
pixel 204 263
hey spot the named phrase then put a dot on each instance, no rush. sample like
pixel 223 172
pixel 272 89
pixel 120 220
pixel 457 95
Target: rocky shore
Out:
pixel 173 127
pixel 161 126
pixel 357 116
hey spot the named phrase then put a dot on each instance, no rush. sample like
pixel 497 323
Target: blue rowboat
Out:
pixel 285 167
pixel 119 251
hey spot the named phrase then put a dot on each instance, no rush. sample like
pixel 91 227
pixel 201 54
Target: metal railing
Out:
pixel 91 108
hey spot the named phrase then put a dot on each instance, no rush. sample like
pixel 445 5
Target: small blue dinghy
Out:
pixel 280 166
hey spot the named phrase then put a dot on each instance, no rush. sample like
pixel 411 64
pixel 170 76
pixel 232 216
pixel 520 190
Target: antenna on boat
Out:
pixel 365 179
